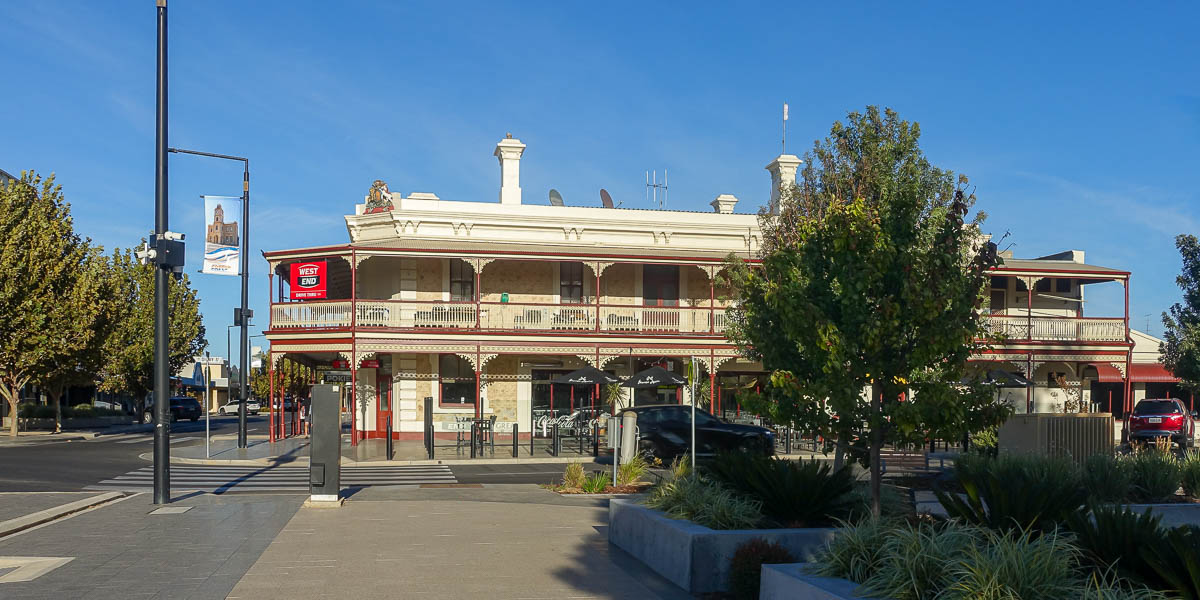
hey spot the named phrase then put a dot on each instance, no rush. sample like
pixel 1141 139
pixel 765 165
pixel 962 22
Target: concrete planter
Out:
pixel 692 556
pixel 790 582
pixel 1174 514
pixel 48 424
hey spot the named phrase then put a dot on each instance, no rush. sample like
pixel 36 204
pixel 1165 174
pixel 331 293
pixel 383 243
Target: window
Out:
pixel 1062 285
pixel 999 283
pixel 998 298
pixel 1043 285
pixel 462 281
pixel 570 282
pixel 660 285
pixel 457 380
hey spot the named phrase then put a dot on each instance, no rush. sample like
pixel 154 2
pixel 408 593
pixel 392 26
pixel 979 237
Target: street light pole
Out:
pixel 241 315
pixel 162 393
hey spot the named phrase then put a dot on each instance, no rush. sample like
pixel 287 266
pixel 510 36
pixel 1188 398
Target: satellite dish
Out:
pixel 605 199
pixel 556 198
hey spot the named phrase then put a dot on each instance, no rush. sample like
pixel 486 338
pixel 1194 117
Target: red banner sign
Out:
pixel 369 364
pixel 308 280
pixel 341 364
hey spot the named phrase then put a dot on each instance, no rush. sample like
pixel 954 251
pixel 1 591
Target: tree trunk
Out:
pixel 56 397
pixel 10 396
pixel 839 453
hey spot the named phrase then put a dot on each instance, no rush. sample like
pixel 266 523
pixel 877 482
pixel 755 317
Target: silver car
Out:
pixel 231 407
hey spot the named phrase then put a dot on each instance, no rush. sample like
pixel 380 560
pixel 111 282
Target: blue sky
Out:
pixel 1080 128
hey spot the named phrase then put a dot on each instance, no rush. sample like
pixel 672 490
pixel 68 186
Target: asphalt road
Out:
pixel 45 464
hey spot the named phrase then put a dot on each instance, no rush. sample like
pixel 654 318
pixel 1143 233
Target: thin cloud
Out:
pixel 1144 206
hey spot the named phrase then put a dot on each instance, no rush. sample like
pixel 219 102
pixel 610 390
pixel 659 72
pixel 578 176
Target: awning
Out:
pixel 1140 372
pixel 1108 373
pixel 1152 373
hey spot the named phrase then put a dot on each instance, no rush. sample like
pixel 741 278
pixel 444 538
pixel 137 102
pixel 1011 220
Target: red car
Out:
pixel 1161 418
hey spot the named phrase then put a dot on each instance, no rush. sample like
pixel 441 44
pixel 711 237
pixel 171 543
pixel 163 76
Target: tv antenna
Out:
pixel 653 186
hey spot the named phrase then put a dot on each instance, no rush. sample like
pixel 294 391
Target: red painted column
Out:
pixel 1128 354
pixel 478 387
pixel 597 268
pixel 478 292
pixel 712 302
pixel 271 396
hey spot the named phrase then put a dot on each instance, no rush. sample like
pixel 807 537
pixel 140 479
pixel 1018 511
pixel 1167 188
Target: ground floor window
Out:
pixel 457 381
pixel 556 399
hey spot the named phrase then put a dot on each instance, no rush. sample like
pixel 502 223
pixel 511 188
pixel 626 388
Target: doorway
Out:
pixel 383 404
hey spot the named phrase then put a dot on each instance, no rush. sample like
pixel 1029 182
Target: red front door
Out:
pixel 383 404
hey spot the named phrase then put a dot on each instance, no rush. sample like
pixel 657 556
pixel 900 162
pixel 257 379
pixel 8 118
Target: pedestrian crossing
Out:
pixel 139 438
pixel 221 479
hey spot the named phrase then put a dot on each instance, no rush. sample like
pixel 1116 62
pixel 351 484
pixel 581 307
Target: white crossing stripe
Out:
pixel 214 479
pixel 137 440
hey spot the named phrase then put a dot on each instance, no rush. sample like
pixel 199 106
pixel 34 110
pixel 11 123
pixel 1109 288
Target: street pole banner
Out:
pixel 222 241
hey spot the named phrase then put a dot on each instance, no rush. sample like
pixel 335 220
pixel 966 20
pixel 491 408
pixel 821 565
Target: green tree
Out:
pixel 1181 324
pixel 44 281
pixel 870 278
pixel 129 348
pixel 89 303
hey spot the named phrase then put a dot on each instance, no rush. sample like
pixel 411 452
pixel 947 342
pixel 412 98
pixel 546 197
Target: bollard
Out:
pixel 532 435
pixel 432 439
pixel 515 436
pixel 596 439
pixel 555 441
pixel 472 439
pixel 389 438
pixel 787 444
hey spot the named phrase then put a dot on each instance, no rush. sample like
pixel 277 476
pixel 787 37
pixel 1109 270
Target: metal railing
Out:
pixel 1067 329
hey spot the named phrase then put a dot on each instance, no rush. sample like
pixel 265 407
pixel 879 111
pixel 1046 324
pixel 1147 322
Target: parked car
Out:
pixel 1161 418
pixel 182 407
pixel 231 407
pixel 664 432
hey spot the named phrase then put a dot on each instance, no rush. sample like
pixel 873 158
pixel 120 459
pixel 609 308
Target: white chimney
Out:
pixel 783 174
pixel 724 203
pixel 508 152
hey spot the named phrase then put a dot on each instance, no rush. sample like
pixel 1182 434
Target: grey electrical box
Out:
pixel 325 452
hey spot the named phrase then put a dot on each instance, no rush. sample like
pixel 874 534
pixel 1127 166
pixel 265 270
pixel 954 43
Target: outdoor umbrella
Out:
pixel 586 376
pixel 654 377
pixel 1000 378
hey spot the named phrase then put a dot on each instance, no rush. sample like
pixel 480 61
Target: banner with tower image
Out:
pixel 222 240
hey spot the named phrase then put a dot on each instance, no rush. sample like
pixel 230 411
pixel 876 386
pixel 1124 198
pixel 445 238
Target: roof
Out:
pixel 1055 266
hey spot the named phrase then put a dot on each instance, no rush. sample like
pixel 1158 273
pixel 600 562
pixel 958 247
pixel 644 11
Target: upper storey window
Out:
pixel 462 281
pixel 660 285
pixel 570 282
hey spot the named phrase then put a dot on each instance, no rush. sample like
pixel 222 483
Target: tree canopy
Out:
pixel 1181 323
pixel 870 277
pixel 129 349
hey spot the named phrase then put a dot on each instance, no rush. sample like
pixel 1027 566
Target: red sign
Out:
pixel 308 280
pixel 369 364
pixel 341 364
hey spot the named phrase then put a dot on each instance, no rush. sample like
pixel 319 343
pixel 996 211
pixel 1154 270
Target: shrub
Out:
pixel 1107 477
pixel 1189 473
pixel 1177 562
pixel 914 559
pixel 1016 492
pixel 632 470
pixel 892 502
pixel 1015 565
pixel 573 476
pixel 705 502
pixel 986 441
pixel 745 571
pixel 855 552
pixel 595 483
pixel 793 493
pixel 1155 474
pixel 1112 539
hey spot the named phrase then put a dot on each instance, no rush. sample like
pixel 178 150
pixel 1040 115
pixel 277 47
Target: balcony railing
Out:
pixel 504 316
pixel 1057 329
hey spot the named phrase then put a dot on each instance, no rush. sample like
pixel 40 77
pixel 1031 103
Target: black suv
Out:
pixel 665 432
pixel 182 407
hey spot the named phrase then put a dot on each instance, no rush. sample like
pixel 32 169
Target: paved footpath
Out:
pixel 501 542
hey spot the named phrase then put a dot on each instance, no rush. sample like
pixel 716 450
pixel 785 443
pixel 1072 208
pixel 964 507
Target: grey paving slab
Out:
pixel 443 548
pixel 19 504
pixel 122 552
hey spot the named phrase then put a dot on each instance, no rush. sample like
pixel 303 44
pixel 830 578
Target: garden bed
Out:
pixel 41 424
pixel 692 556
pixel 791 582
pixel 638 487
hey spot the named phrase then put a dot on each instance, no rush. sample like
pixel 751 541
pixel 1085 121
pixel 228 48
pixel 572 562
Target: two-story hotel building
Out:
pixel 476 306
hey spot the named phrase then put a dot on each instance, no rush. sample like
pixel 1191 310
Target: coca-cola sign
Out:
pixel 308 280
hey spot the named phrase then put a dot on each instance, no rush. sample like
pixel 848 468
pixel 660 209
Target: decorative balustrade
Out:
pixel 1057 329
pixel 665 320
